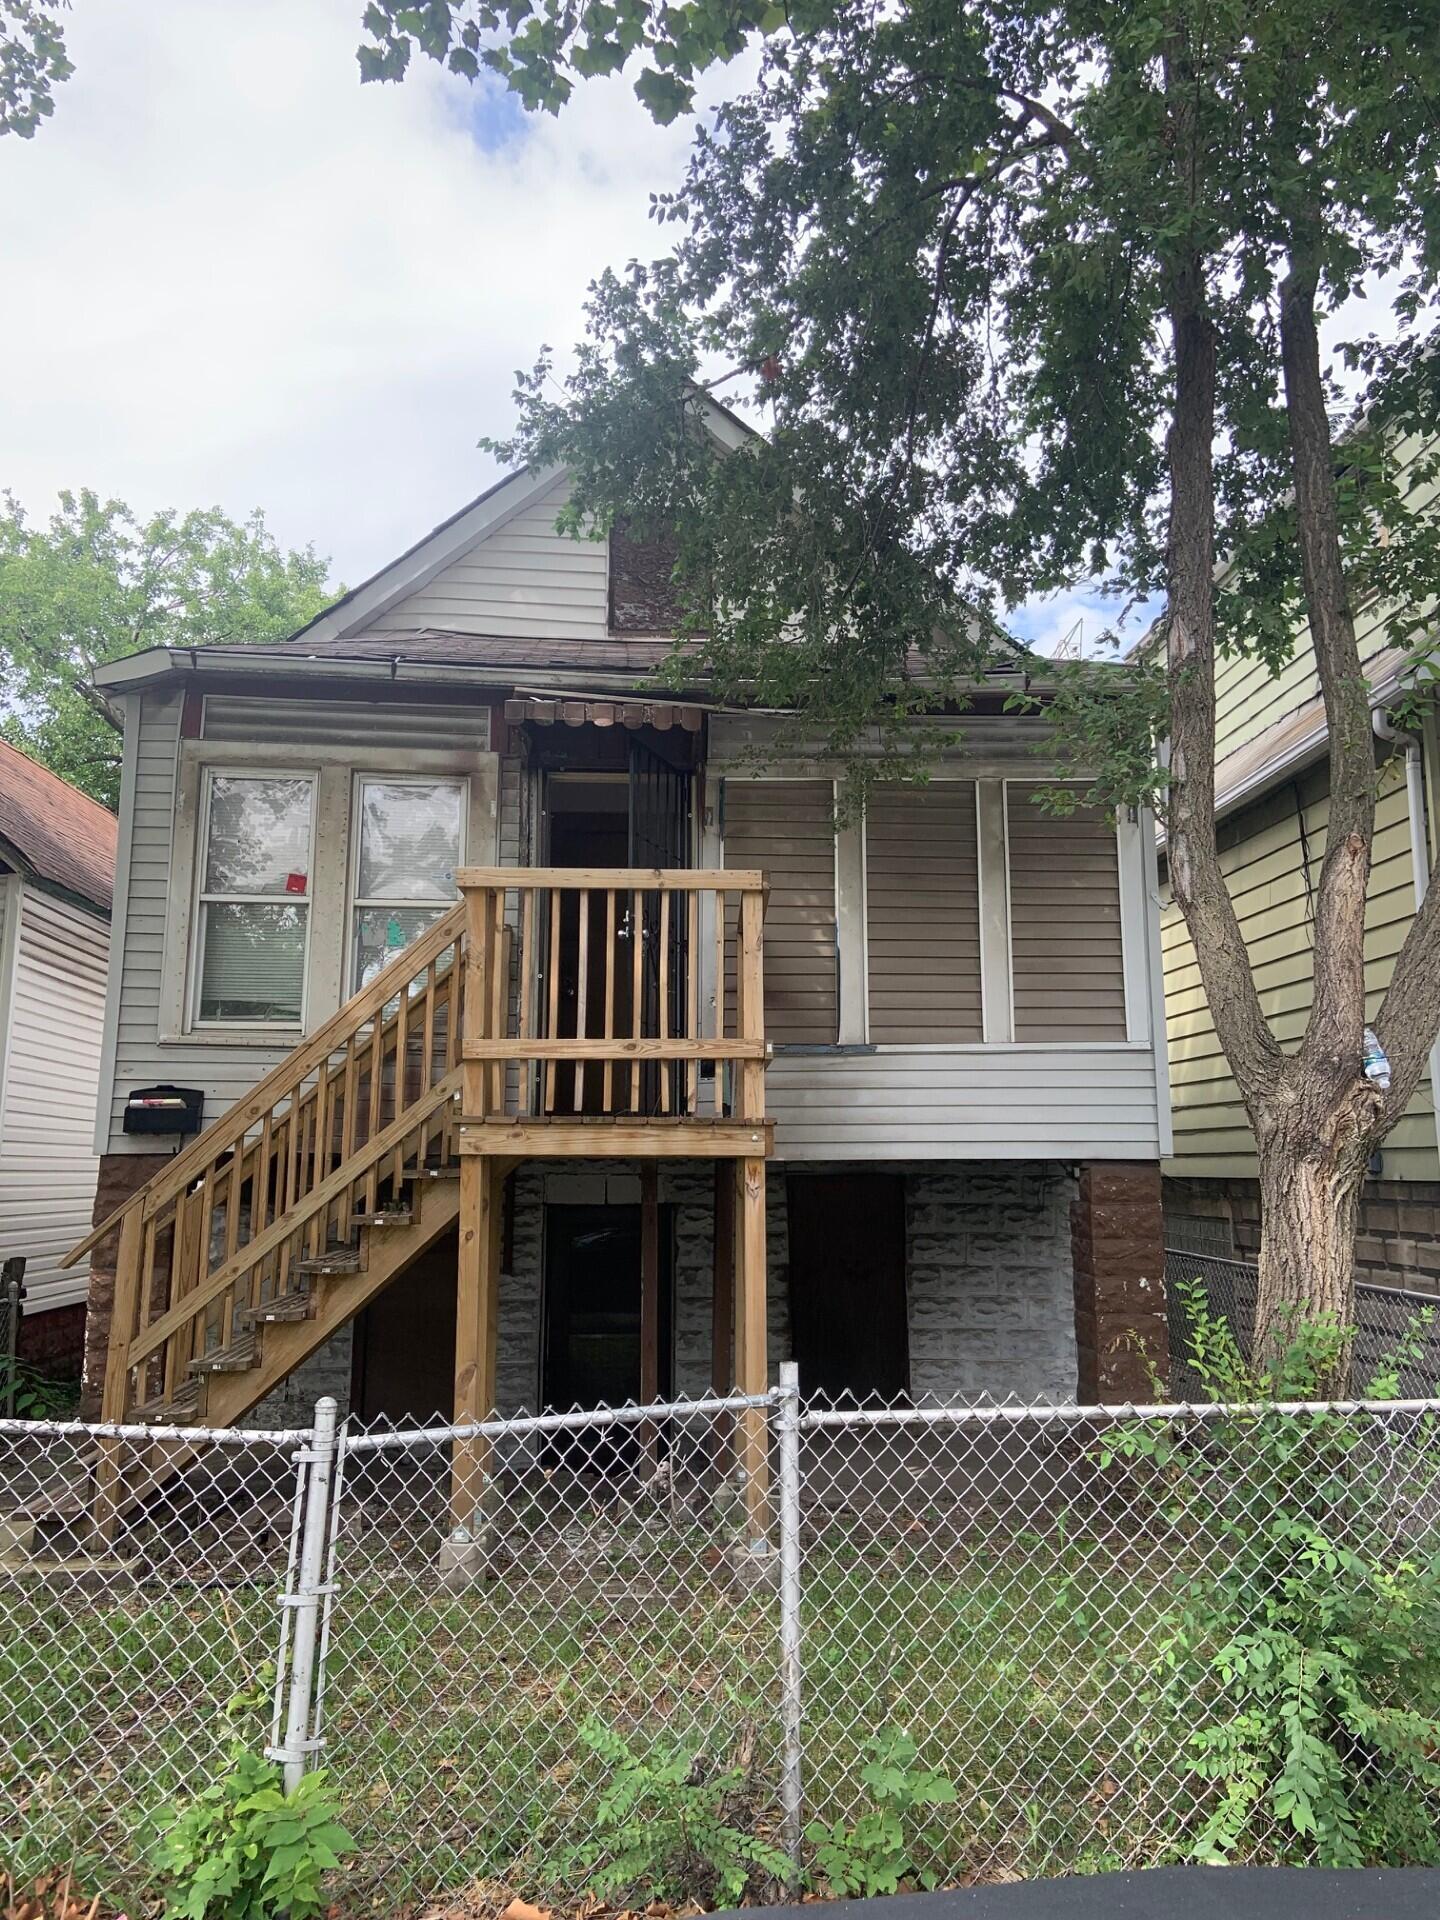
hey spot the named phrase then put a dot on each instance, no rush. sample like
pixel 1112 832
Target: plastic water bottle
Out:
pixel 1377 1061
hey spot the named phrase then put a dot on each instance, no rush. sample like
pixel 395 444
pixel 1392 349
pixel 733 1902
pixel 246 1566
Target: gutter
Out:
pixel 1419 853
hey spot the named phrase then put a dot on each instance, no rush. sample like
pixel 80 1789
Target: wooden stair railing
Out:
pixel 258 1215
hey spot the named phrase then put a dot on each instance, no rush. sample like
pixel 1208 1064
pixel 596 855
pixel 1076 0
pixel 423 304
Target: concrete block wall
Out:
pixel 991 1309
pixel 991 1304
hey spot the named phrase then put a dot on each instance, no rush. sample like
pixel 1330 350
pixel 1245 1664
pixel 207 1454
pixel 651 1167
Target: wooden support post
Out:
pixel 649 1302
pixel 752 1371
pixel 115 1394
pixel 477 1304
pixel 722 1309
pixel 722 1302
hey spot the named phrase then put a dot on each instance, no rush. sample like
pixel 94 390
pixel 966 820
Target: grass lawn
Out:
pixel 1019 1666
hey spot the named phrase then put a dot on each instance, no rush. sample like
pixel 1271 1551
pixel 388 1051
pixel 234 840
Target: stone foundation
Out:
pixel 993 1308
pixel 1121 1338
pixel 1397 1245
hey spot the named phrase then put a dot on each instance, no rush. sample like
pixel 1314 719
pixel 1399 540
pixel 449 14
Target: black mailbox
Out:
pixel 164 1109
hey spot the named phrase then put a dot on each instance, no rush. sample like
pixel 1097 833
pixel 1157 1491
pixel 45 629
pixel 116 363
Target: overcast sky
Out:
pixel 234 276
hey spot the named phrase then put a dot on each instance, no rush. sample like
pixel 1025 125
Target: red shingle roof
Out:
pixel 56 832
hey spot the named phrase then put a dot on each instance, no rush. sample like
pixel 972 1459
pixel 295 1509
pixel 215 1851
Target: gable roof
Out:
pixel 53 833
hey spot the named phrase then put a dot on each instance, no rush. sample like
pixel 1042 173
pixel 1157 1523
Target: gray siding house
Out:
pixel 732 1082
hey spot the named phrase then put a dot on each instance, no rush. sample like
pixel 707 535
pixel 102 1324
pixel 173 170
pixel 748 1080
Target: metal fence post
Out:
pixel 306 1585
pixel 791 1724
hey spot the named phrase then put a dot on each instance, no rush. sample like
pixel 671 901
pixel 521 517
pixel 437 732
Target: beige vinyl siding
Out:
pixel 523 580
pixel 923 913
pixel 982 1103
pixel 787 828
pixel 52 1072
pixel 1066 942
pixel 451 726
pixel 1263 854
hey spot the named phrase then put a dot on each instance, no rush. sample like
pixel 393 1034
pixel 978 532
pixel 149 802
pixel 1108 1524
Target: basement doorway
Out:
pixel 591 1344
pixel 848 1316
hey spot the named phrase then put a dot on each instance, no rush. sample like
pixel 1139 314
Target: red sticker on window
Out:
pixel 295 883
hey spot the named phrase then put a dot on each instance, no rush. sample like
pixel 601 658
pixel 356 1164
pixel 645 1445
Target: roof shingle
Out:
pixel 58 833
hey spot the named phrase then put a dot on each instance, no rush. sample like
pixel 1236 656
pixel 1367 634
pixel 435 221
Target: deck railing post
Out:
pixel 315 1466
pixel 791 1666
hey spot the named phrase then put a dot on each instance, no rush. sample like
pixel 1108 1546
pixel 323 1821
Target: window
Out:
pixel 254 898
pixel 409 841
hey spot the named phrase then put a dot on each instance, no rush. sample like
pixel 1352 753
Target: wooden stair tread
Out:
pixel 238 1357
pixel 284 1307
pixel 385 1217
pixel 337 1260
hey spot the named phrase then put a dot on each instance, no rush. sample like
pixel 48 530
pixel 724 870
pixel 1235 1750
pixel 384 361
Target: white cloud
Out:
pixel 236 276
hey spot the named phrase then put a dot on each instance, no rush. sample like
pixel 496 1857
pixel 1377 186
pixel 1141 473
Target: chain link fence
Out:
pixel 1003 1585
pixel 1385 1317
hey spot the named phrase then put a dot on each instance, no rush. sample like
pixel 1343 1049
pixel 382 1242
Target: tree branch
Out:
pixel 1195 871
pixel 1334 1031
pixel 1409 1016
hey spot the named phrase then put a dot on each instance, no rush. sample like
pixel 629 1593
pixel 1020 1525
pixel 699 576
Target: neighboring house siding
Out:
pixel 1250 699
pixel 787 828
pixel 1066 939
pixel 524 580
pixel 51 1070
pixel 1263 854
pixel 923 913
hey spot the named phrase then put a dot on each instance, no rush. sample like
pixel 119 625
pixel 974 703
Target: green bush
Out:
pixel 876 1853
pixel 27 1393
pixel 244 1849
pixel 1307 1642
pixel 667 1826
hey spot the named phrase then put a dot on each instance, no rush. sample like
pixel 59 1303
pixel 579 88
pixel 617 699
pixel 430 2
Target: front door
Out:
pixel 847 1284
pixel 591 1354
pixel 660 837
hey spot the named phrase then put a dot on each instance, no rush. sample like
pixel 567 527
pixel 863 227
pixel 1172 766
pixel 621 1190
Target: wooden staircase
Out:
pixel 278 1223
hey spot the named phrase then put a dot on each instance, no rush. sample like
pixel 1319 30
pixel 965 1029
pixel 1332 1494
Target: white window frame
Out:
pixel 353 902
pixel 328 949
pixel 225 770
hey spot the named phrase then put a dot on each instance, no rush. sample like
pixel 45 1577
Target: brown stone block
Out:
pixel 1107 1177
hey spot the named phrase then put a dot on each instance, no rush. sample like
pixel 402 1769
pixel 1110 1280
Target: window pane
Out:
pixel 259 838
pixel 381 933
pixel 253 962
pixel 409 840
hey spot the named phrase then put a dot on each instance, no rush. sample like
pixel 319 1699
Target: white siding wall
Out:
pixel 52 1072
pixel 524 580
pixel 974 1103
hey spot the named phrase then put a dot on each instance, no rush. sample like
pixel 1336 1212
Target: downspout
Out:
pixel 1395 736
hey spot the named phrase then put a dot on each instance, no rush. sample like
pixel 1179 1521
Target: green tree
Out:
pixel 1032 291
pixel 95 583
pixel 33 62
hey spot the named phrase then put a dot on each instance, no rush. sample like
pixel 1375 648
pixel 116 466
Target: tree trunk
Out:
pixel 1312 1162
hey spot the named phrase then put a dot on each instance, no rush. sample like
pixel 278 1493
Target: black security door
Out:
pixel 660 837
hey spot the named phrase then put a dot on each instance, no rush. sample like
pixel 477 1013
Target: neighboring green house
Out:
pixel 1272 804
